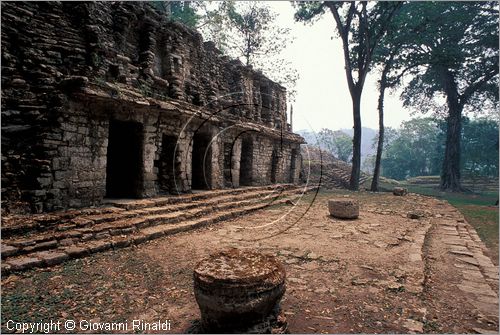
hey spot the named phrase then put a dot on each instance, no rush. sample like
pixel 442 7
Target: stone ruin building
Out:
pixel 111 99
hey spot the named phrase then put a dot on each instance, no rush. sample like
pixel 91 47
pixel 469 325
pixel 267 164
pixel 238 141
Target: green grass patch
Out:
pixel 485 221
pixel 456 199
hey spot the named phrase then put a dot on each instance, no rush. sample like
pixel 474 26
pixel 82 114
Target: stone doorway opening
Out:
pixel 169 166
pixel 124 159
pixel 293 165
pixel 246 162
pixel 201 163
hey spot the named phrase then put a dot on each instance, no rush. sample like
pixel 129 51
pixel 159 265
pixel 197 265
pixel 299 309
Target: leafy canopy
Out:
pixel 459 38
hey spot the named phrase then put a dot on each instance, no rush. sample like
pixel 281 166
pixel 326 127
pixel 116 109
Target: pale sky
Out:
pixel 323 99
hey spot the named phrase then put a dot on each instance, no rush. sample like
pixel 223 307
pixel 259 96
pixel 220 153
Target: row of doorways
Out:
pixel 124 170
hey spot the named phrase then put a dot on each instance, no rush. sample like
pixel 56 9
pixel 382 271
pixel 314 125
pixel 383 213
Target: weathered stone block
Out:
pixel 102 235
pixel 23 243
pixel 139 238
pixel 42 245
pixel 8 250
pixel 76 252
pixel 47 244
pixel 121 242
pixel 343 208
pixel 24 263
pixel 97 246
pixel 400 191
pixel 237 289
pixel 50 258
pixel 66 242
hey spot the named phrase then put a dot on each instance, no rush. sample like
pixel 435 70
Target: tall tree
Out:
pixel 387 57
pixel 246 30
pixel 257 39
pixel 454 56
pixel 256 31
pixel 383 84
pixel 360 26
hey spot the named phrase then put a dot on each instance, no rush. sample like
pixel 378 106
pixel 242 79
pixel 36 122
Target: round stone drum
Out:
pixel 343 208
pixel 238 289
pixel 400 191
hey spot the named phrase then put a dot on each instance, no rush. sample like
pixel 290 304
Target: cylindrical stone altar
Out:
pixel 239 291
pixel 400 191
pixel 343 208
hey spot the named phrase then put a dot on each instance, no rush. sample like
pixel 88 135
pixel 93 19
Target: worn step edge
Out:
pixel 42 259
pixel 127 225
pixel 195 196
pixel 141 216
pixel 50 221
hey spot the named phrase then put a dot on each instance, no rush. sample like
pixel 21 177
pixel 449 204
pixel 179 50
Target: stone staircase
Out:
pixel 49 239
pixel 335 174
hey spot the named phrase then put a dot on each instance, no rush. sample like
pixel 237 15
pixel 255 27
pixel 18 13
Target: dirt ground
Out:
pixel 382 273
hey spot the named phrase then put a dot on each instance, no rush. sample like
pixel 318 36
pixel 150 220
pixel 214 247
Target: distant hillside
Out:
pixel 367 136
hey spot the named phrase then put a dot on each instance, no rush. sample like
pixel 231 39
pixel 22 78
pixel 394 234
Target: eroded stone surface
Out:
pixel 8 250
pixel 400 191
pixel 343 208
pixel 237 289
pixel 123 63
pixel 24 263
pixel 52 257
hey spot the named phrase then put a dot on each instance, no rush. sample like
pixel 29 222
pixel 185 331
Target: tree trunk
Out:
pixel 380 144
pixel 356 142
pixel 381 129
pixel 450 173
pixel 248 50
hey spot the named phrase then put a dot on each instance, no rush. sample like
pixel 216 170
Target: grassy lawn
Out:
pixel 478 208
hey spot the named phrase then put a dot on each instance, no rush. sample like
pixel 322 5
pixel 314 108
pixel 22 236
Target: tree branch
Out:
pixel 344 32
pixel 471 89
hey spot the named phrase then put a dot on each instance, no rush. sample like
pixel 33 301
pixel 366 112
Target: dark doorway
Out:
pixel 124 160
pixel 169 166
pixel 274 166
pixel 293 165
pixel 201 162
pixel 228 162
pixel 246 162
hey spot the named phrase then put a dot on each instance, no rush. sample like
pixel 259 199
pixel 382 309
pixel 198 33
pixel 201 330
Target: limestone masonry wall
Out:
pixel 111 99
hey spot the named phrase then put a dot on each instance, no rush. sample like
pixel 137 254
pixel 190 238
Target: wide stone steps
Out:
pixel 129 208
pixel 123 223
pixel 338 176
pixel 44 249
pixel 118 222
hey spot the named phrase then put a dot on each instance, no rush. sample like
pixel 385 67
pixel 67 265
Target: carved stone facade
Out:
pixel 110 99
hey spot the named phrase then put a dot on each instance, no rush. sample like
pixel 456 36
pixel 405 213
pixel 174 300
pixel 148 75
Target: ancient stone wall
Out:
pixel 77 76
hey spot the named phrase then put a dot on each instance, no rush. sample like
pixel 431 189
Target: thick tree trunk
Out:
pixel 450 173
pixel 380 144
pixel 356 142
